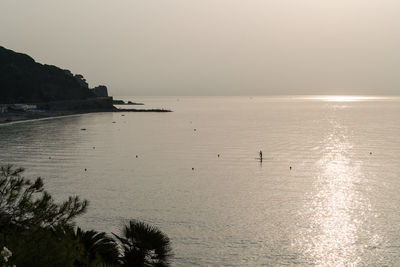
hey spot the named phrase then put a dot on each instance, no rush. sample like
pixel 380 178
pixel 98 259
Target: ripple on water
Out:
pixel 337 206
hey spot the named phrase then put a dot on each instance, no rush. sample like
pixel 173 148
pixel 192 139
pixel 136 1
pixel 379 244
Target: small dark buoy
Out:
pixel 194 130
pixel 94 147
pixel 290 167
pixel 370 153
pixel 136 156
pixel 218 155
pixel 85 169
pixel 192 169
pixel 122 115
pixel 113 122
pixel 83 129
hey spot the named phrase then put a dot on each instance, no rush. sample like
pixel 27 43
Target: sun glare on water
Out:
pixel 346 98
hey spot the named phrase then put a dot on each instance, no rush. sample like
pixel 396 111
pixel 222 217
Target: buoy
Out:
pixel 136 156
pixel 194 130
pixel 94 147
pixel 83 129
pixel 192 169
pixel 370 153
pixel 290 167
pixel 85 169
pixel 113 122
pixel 218 155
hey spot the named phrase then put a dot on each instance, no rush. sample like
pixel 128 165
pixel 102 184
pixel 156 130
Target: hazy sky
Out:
pixel 214 47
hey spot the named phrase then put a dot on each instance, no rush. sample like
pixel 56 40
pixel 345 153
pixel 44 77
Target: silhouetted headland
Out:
pixel 30 90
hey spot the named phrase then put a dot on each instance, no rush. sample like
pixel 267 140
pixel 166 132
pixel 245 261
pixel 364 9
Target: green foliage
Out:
pixel 144 245
pixel 42 246
pixel 25 204
pixel 37 230
pixel 98 248
pixel 40 232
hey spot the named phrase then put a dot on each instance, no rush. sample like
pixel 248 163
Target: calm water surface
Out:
pixel 338 206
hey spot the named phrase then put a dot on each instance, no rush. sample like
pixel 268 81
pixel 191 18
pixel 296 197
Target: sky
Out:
pixel 214 47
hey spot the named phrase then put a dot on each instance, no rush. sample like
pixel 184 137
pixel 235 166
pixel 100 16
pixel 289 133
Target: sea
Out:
pixel 327 192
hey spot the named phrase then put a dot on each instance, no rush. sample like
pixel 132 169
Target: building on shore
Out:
pixel 100 91
pixel 3 108
pixel 22 107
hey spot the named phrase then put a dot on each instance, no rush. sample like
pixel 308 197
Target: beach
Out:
pixel 13 117
pixel 24 116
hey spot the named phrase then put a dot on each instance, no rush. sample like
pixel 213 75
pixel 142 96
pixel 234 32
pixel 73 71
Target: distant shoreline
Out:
pixel 28 116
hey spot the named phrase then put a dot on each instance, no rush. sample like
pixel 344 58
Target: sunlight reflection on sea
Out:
pixel 336 206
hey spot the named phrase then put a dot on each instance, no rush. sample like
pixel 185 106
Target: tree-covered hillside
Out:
pixel 22 80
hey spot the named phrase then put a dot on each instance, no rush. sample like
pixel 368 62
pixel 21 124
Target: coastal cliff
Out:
pixel 22 80
pixel 30 90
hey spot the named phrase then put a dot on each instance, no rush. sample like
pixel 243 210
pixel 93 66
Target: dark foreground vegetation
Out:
pixel 37 231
